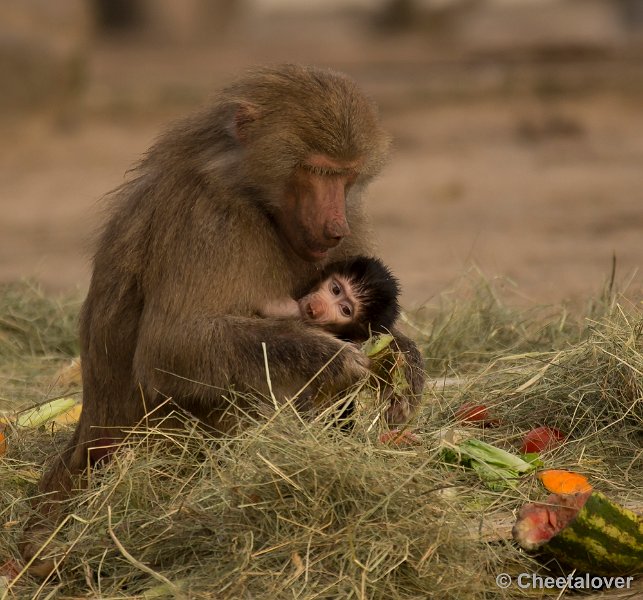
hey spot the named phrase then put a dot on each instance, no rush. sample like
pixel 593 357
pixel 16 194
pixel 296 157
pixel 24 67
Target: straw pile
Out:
pixel 288 509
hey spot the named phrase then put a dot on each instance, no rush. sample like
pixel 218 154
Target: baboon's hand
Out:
pixel 356 363
pixel 347 364
pixel 398 411
pixel 30 546
pixel 402 402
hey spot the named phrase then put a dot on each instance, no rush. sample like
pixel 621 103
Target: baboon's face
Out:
pixel 332 305
pixel 313 216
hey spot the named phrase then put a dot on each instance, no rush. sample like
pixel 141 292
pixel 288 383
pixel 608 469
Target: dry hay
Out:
pixel 31 323
pixel 283 509
pixel 288 509
pixel 36 334
pixel 473 324
pixel 583 376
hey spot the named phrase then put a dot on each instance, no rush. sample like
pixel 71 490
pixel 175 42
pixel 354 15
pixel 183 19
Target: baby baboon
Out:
pixel 237 205
pixel 353 298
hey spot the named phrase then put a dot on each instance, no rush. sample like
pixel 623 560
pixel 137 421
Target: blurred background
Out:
pixel 517 125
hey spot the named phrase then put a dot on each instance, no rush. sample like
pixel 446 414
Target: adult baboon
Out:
pixel 237 205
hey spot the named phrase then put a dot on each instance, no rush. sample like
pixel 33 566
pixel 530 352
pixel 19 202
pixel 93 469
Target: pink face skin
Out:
pixel 313 216
pixel 331 304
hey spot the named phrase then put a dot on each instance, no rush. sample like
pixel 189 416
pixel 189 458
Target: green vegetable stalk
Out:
pixel 498 468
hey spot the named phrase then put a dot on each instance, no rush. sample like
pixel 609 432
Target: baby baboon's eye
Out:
pixel 335 288
pixel 346 310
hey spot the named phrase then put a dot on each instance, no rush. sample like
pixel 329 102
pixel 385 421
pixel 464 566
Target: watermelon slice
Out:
pixel 585 531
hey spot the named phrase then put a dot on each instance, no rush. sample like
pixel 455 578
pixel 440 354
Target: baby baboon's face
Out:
pixel 331 305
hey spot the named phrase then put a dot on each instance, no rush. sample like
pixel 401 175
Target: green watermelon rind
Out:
pixel 604 538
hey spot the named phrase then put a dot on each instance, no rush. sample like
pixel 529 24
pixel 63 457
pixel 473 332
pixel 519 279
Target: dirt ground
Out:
pixel 533 171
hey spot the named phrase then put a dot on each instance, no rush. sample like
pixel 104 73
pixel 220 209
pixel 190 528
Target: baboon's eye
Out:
pixel 335 288
pixel 346 310
pixel 321 171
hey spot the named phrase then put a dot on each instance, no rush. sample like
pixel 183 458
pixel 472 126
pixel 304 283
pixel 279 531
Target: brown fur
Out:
pixel 194 245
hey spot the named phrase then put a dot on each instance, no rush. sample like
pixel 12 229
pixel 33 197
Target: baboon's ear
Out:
pixel 243 116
